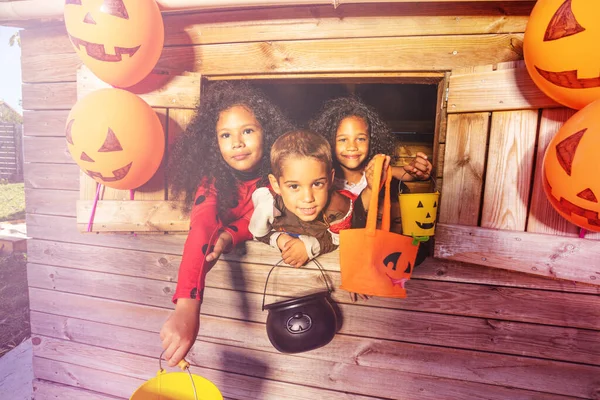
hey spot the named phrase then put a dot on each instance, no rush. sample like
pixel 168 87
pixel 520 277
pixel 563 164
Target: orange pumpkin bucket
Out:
pixel 177 386
pixel 419 212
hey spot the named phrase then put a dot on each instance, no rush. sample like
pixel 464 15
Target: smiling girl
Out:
pixel 221 158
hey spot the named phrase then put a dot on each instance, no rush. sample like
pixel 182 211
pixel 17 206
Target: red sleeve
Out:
pixel 241 214
pixel 204 228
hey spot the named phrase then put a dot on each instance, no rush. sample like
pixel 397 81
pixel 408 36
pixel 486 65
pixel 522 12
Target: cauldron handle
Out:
pixel 314 260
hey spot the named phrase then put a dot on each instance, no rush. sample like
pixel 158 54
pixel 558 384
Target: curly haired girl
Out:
pixel 356 133
pixel 220 159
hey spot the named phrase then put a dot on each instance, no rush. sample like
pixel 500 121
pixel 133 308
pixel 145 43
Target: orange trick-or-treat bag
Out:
pixel 374 261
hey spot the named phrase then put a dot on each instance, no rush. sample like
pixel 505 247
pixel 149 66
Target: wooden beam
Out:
pixel 543 218
pixel 132 216
pixel 89 278
pixel 388 54
pixel 158 90
pixel 509 169
pixel 23 10
pixel 507 89
pixel 464 164
pixel 318 22
pixel 48 227
pixel 546 255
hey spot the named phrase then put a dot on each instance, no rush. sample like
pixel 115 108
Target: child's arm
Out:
pixel 179 333
pixel 180 330
pixel 418 170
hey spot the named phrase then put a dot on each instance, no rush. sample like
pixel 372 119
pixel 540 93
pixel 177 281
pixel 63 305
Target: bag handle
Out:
pixel 371 225
pixel 314 260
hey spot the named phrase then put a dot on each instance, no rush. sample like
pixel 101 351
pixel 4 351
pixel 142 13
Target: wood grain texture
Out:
pixel 136 369
pixel 344 349
pixel 496 90
pixel 325 375
pixel 45 123
pixel 316 22
pixel 46 390
pixel 418 53
pixel 51 201
pixel 132 216
pixel 464 163
pixel 510 304
pixel 49 96
pixel 47 227
pixel 51 176
pixel 545 255
pixel 509 169
pixel 396 357
pixel 542 216
pixel 159 90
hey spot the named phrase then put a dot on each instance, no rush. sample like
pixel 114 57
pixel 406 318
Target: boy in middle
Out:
pixel 300 213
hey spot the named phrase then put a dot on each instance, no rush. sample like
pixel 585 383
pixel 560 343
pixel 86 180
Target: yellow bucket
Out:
pixel 418 212
pixel 177 386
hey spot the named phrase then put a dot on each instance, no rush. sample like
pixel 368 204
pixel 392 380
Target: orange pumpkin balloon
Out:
pixel 572 168
pixel 560 49
pixel 120 41
pixel 116 138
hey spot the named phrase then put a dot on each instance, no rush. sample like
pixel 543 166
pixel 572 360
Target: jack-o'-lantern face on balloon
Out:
pixel 572 167
pixel 560 50
pixel 120 41
pixel 115 138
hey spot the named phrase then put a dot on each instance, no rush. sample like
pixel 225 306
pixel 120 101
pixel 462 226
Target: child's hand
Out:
pixel 179 332
pixel 419 169
pixel 294 253
pixel 282 240
pixel 370 169
pixel 222 244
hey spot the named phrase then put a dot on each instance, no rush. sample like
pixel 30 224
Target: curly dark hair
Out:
pixel 334 111
pixel 196 153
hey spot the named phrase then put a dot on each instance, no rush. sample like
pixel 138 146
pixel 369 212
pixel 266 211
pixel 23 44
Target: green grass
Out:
pixel 12 201
pixel 14 302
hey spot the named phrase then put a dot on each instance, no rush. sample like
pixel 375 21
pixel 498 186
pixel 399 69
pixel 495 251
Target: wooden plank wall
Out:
pixel 492 174
pixel 464 332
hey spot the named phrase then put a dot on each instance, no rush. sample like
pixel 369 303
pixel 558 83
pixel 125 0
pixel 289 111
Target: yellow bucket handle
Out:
pixel 185 366
pixel 435 186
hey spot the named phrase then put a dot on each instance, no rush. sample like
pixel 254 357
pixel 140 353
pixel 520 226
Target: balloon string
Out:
pixel 131 194
pixel 582 233
pixel 90 222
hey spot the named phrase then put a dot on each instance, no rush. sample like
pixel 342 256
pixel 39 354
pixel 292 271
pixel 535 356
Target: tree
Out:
pixel 15 39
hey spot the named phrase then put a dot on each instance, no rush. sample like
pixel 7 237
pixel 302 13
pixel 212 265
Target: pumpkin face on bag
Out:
pixel 120 41
pixel 115 138
pixel 560 50
pixel 572 167
pixel 397 268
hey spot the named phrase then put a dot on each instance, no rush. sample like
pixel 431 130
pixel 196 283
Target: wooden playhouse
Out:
pixel 507 307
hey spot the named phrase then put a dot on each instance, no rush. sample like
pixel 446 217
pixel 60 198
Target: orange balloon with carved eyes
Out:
pixel 572 167
pixel 116 138
pixel 120 41
pixel 560 50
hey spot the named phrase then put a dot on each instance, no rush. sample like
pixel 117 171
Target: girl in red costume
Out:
pixel 215 166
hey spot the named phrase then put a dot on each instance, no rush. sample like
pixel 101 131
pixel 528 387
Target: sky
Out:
pixel 10 69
